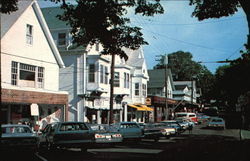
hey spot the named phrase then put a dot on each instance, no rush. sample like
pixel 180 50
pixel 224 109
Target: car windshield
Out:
pixel 16 129
pixel 73 127
pixel 181 115
pixel 216 120
pixel 126 126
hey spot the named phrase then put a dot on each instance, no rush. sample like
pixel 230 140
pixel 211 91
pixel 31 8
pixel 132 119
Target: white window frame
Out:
pixel 116 79
pixel 29 34
pixel 137 89
pixel 91 75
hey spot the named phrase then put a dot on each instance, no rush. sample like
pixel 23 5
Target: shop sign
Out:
pixel 34 109
pixel 148 101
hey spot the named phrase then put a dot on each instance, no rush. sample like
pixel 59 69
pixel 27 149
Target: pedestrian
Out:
pixel 190 128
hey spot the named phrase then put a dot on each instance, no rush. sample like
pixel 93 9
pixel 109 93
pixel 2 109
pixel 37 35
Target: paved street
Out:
pixel 203 145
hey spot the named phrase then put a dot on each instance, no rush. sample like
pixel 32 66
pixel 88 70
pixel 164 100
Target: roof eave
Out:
pixel 47 33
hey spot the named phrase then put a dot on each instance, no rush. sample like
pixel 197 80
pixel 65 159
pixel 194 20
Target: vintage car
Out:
pixel 75 135
pixel 18 137
pixel 174 124
pixel 216 122
pixel 105 134
pixel 167 131
pixel 129 130
pixel 150 131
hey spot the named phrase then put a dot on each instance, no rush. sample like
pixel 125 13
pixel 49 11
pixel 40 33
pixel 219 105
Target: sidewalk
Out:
pixel 245 134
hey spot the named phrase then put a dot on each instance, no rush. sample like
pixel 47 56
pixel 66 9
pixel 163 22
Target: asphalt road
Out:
pixel 201 145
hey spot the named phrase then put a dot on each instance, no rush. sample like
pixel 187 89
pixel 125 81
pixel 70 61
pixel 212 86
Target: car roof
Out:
pixel 14 125
pixel 128 123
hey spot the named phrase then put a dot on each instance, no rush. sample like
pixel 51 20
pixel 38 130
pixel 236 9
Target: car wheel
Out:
pixel 84 149
pixel 156 139
pixel 50 146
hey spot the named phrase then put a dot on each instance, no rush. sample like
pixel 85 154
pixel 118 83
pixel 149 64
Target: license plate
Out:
pixel 108 136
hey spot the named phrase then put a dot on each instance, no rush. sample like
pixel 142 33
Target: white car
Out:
pixel 216 122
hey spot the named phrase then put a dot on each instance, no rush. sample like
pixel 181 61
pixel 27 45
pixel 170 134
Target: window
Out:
pixel 27 72
pixel 137 89
pixel 101 74
pixel 144 91
pixel 126 80
pixel 125 77
pixel 61 39
pixel 29 34
pixel 97 46
pixel 106 75
pixel 91 72
pixel 40 77
pixel 14 69
pixel 117 79
pixel 27 75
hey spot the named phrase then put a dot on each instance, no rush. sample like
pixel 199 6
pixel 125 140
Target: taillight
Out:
pixel 117 135
pixel 99 136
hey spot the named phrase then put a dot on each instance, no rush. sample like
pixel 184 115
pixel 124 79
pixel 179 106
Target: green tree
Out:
pixel 205 9
pixel 184 68
pixel 233 80
pixel 8 6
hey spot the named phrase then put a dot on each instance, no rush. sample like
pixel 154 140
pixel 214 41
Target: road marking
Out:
pixel 127 150
pixel 40 157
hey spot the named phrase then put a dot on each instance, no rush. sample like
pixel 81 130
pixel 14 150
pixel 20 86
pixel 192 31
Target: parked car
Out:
pixel 216 122
pixel 129 130
pixel 150 131
pixel 185 122
pixel 105 134
pixel 187 115
pixel 202 118
pixel 174 124
pixel 18 137
pixel 167 131
pixel 75 135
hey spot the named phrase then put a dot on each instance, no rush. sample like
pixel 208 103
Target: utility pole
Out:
pixel 111 102
pixel 166 85
pixel 192 90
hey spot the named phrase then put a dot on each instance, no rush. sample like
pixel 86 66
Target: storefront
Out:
pixel 159 106
pixel 33 108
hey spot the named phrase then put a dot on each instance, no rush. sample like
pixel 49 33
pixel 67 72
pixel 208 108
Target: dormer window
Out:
pixel 97 46
pixel 29 34
pixel 62 39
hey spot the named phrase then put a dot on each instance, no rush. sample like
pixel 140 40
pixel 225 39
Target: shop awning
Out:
pixel 146 107
pixel 137 107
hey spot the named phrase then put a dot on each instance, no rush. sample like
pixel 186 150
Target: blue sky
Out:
pixel 208 41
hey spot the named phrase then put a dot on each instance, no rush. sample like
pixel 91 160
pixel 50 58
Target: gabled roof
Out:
pixel 183 83
pixel 135 57
pixel 52 21
pixel 8 20
pixel 157 78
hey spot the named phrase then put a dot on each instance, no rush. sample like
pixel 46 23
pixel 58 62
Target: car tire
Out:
pixel 84 149
pixel 50 146
pixel 156 139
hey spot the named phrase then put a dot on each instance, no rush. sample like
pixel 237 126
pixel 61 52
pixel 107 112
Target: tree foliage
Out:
pixel 184 68
pixel 205 9
pixel 233 80
pixel 104 21
pixel 8 6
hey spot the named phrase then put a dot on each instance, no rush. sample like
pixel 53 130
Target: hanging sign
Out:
pixel 34 110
